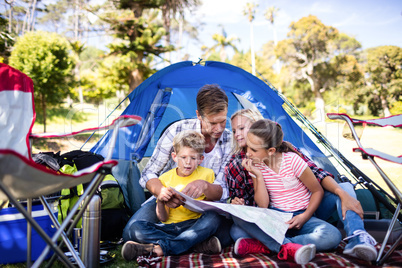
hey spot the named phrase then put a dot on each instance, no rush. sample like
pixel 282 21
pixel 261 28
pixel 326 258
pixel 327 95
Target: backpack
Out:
pixel 114 211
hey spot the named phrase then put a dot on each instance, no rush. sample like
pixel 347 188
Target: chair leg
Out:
pixel 36 226
pixel 90 191
pixel 384 243
pixel 29 233
pixel 63 234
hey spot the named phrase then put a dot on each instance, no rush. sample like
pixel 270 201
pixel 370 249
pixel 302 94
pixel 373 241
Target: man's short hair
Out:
pixel 191 139
pixel 211 99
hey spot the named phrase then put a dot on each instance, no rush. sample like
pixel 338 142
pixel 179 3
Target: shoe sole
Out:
pixel 219 245
pixel 305 254
pixel 122 250
pixel 364 252
pixel 237 245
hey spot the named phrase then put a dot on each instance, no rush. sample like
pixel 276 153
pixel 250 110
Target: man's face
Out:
pixel 213 125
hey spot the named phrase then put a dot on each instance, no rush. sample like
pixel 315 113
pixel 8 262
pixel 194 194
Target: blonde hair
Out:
pixel 191 139
pixel 252 115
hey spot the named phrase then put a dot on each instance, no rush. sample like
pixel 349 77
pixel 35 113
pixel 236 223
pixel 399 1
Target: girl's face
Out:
pixel 256 150
pixel 240 128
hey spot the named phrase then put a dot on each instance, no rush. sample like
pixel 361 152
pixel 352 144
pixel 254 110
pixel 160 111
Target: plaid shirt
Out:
pixel 240 183
pixel 161 159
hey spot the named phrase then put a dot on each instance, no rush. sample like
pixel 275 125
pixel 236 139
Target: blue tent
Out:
pixel 169 95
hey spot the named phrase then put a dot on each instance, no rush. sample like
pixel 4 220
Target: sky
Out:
pixel 372 22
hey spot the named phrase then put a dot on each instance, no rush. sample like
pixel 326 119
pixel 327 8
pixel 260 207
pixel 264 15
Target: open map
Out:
pixel 270 221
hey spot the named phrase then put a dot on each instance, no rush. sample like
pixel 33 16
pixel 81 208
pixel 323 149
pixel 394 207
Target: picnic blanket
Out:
pixel 227 258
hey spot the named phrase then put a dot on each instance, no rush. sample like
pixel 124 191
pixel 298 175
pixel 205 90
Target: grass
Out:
pixel 117 262
pixel 385 139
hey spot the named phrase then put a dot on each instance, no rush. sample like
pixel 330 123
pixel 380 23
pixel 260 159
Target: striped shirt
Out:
pixel 286 191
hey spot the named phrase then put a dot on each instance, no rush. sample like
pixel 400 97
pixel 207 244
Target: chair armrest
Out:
pixel 123 121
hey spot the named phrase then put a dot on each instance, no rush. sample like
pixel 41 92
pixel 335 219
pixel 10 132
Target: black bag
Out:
pixel 114 211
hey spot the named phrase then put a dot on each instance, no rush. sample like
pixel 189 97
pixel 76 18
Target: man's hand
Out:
pixel 350 203
pixel 175 201
pixel 165 194
pixel 237 201
pixel 195 188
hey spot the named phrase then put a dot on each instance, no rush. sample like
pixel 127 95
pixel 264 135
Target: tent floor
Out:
pixel 228 259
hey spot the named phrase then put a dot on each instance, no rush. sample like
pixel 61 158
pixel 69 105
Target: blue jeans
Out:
pixel 148 213
pixel 174 238
pixel 315 231
pixel 331 203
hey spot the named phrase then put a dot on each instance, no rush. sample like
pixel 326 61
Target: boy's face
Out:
pixel 187 160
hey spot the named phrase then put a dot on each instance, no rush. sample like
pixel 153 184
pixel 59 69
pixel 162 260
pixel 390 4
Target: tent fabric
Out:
pixel 170 95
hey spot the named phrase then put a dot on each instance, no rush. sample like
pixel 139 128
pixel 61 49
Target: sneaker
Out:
pixel 245 246
pixel 361 245
pixel 209 246
pixel 132 250
pixel 298 253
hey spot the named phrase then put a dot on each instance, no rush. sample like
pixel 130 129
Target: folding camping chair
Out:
pixel 21 178
pixel 369 153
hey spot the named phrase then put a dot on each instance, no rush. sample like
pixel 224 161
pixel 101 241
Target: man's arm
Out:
pixel 158 162
pixel 328 183
pixel 155 186
pixel 348 202
pixel 195 189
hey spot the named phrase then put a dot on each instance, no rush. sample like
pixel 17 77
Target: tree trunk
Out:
pixel 166 25
pixel 44 112
pixel 10 17
pixel 32 22
pixel 384 105
pixel 252 48
pixel 25 25
pixel 180 40
pixel 136 78
pixel 319 101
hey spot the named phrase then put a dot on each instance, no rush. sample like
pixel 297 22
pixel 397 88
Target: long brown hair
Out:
pixel 271 134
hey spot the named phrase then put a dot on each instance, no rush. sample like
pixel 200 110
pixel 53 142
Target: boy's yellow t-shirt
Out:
pixel 171 179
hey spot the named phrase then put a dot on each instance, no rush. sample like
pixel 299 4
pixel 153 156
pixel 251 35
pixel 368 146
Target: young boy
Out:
pixel 171 236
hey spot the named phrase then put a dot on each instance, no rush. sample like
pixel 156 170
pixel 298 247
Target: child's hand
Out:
pixel 165 194
pixel 298 221
pixel 254 171
pixel 237 201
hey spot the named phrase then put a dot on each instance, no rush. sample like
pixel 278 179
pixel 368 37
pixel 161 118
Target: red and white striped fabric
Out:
pixel 286 191
pixel 17 110
pixel 393 120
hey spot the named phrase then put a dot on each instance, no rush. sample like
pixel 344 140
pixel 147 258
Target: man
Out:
pixel 212 107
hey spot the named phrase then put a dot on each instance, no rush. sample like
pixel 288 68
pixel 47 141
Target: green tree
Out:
pixel 139 31
pixel 222 42
pixel 54 14
pixel 384 78
pixel 315 53
pixel 46 58
pixel 249 11
pixel 270 15
pixel 169 10
pixel 6 40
